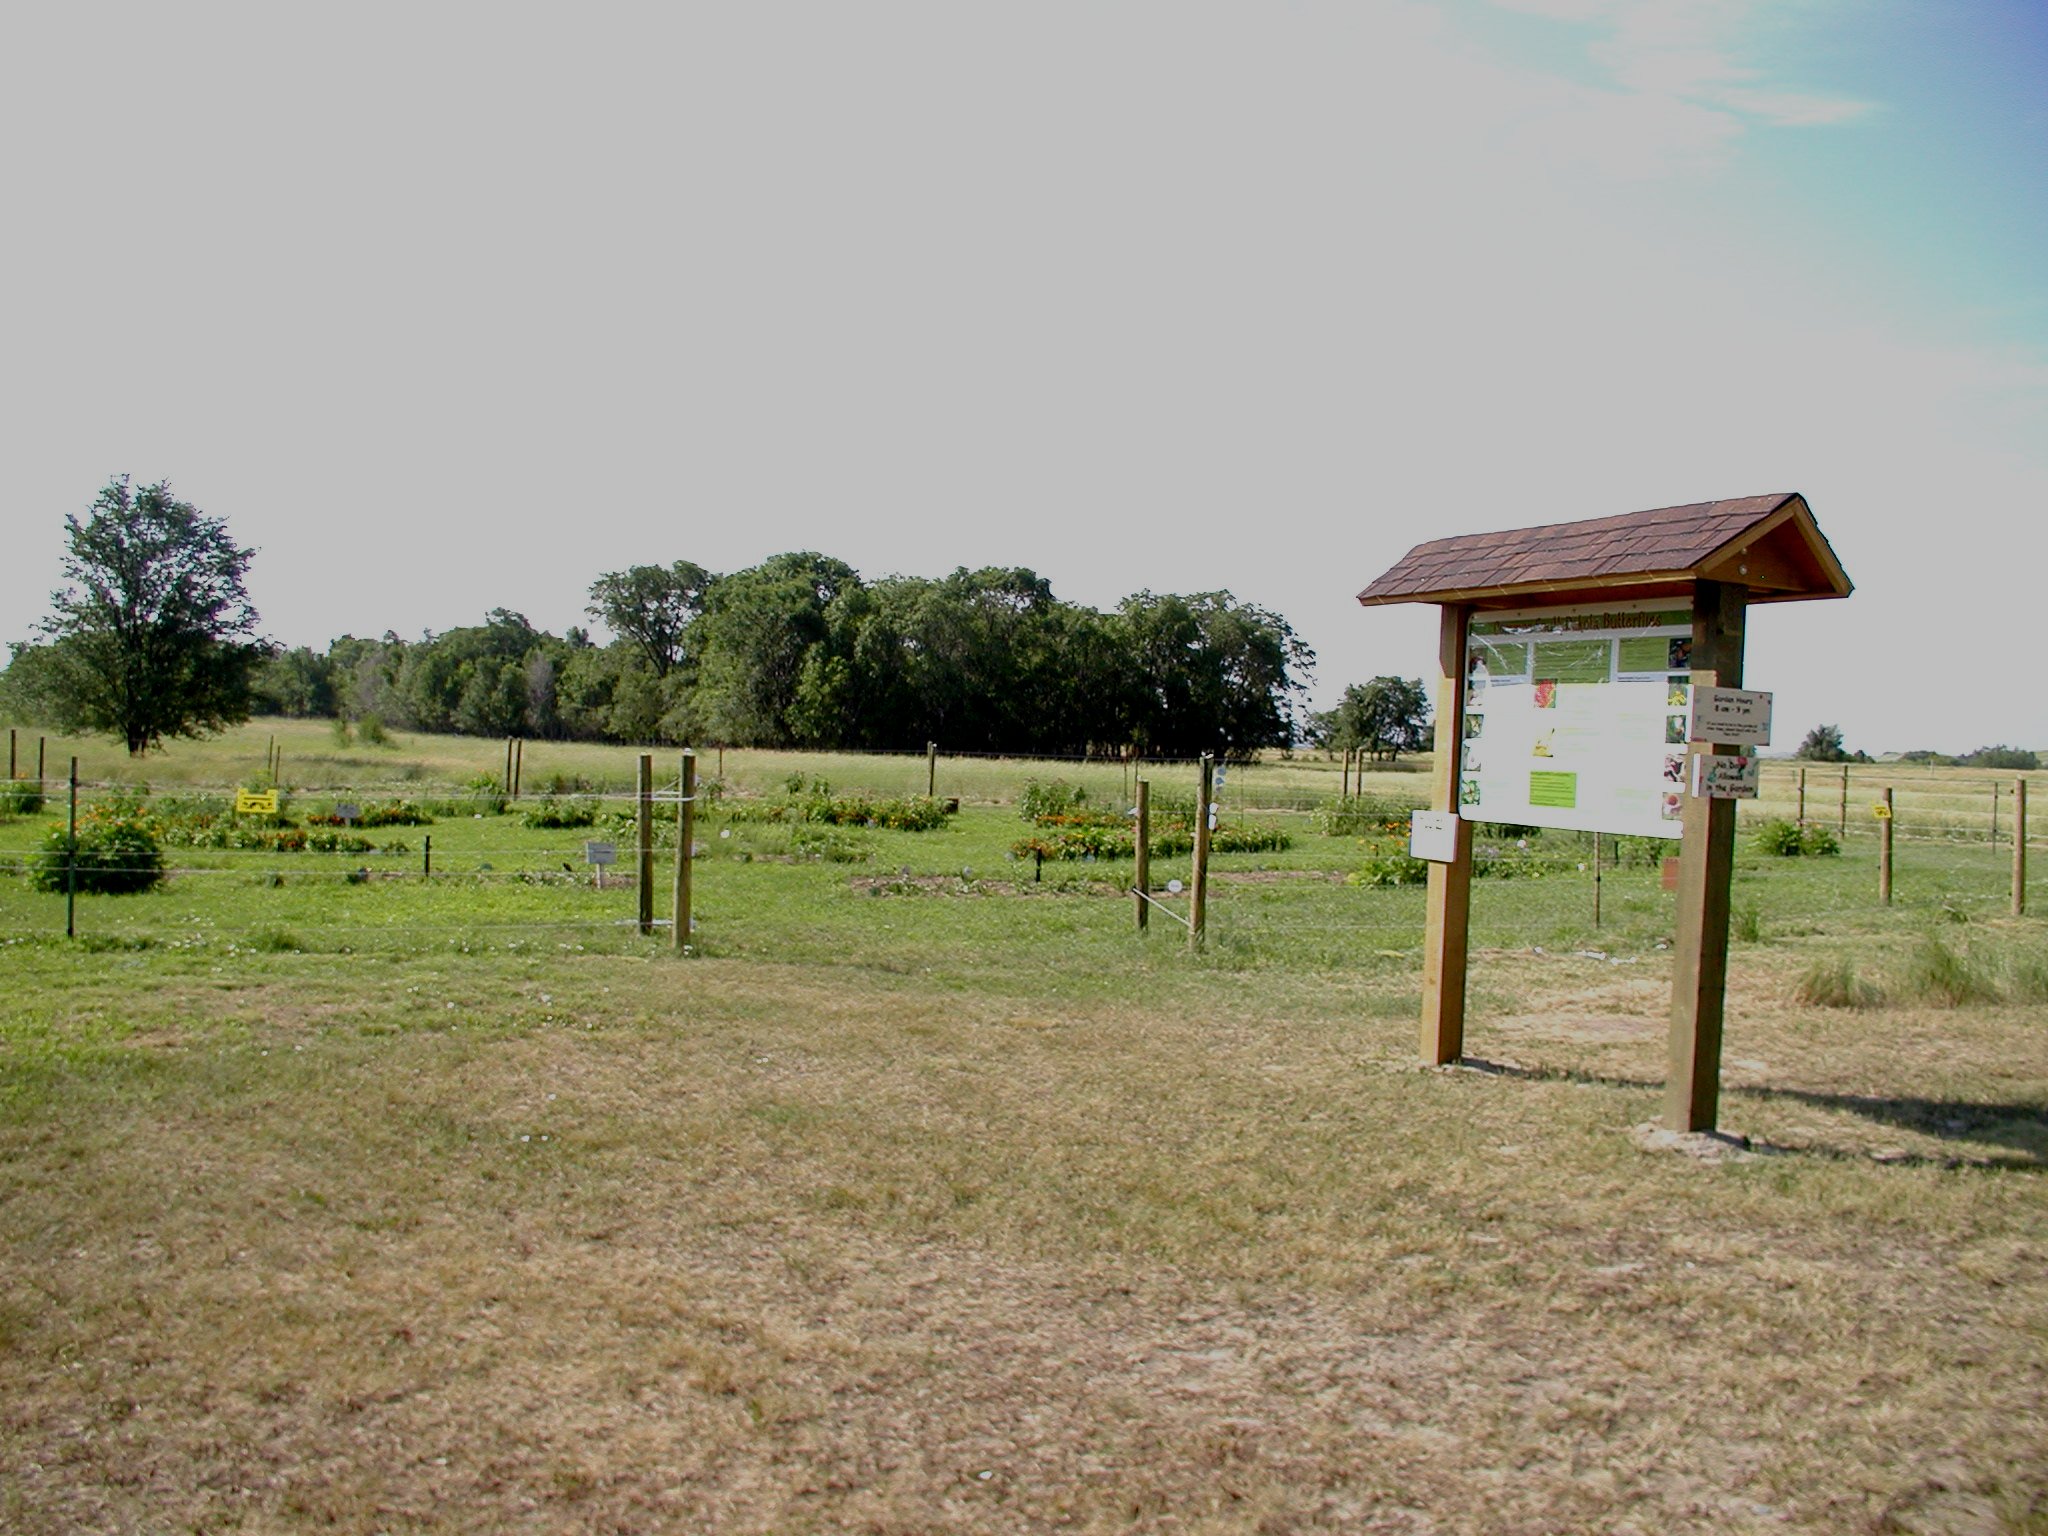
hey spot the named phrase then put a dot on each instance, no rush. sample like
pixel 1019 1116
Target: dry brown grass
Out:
pixel 617 1246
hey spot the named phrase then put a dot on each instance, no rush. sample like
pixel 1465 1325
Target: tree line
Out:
pixel 152 635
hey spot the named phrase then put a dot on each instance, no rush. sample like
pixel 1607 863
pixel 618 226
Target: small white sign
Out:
pixel 600 853
pixel 1732 777
pixel 345 812
pixel 1735 717
pixel 1433 835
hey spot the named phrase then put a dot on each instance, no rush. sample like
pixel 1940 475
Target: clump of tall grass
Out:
pixel 1833 983
pixel 1943 975
pixel 2026 977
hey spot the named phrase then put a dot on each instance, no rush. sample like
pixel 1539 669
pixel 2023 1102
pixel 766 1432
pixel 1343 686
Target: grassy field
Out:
pixel 928 1196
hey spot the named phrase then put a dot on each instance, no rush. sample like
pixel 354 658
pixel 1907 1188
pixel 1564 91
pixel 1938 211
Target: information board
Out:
pixel 1578 717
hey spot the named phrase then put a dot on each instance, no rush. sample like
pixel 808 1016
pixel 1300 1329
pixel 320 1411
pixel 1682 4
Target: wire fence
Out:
pixel 491 865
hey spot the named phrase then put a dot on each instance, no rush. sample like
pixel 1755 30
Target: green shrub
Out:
pixel 117 855
pixel 1785 839
pixel 552 813
pixel 20 797
pixel 1390 866
pixel 1362 816
pixel 1057 798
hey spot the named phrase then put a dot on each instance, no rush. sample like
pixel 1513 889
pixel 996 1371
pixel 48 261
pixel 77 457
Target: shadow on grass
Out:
pixel 2023 1127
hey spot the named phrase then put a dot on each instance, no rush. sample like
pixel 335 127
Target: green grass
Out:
pixel 414 1205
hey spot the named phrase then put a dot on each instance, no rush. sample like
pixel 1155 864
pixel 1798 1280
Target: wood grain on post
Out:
pixel 1884 850
pixel 1141 850
pixel 1198 892
pixel 1447 924
pixel 1706 866
pixel 686 828
pixel 643 826
pixel 2019 847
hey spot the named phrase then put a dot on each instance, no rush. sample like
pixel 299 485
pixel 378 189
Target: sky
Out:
pixel 445 308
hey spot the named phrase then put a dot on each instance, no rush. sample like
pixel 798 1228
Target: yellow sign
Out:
pixel 251 802
pixel 1881 811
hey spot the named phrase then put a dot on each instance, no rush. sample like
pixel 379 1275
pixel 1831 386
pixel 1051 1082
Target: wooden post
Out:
pixel 1994 815
pixel 2019 847
pixel 518 764
pixel 71 862
pixel 931 768
pixel 427 858
pixel 1447 924
pixel 507 782
pixel 1842 824
pixel 10 752
pixel 686 827
pixel 1706 867
pixel 1801 818
pixel 1198 891
pixel 1141 850
pixel 1345 792
pixel 1884 850
pixel 39 763
pixel 643 822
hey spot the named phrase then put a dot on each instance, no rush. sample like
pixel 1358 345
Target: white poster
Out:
pixel 1578 717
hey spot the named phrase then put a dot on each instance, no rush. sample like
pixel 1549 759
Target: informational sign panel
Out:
pixel 1433 835
pixel 1578 717
pixel 600 853
pixel 255 802
pixel 1733 777
pixel 1735 717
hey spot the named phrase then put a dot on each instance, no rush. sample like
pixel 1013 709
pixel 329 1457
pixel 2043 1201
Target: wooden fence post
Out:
pixel 427 858
pixel 1884 849
pixel 10 752
pixel 507 782
pixel 1801 818
pixel 686 827
pixel 1198 895
pixel 931 769
pixel 71 862
pixel 2019 847
pixel 1141 850
pixel 518 764
pixel 1842 826
pixel 643 823
pixel 1994 814
pixel 39 763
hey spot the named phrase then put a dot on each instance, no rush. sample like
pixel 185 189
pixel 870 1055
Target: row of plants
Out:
pixel 1066 826
pixel 812 800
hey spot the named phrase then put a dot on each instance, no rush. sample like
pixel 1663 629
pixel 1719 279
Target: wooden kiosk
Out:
pixel 1670 584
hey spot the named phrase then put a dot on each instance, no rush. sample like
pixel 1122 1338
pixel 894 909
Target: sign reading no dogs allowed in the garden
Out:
pixel 1578 717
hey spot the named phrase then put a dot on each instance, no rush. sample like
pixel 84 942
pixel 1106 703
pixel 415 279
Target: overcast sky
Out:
pixel 446 308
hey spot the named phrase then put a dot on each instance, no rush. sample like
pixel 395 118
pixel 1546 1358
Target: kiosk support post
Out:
pixel 1449 911
pixel 1706 863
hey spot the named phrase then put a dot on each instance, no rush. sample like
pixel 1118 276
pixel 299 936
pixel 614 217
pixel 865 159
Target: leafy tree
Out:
pixel 652 608
pixel 297 682
pixel 1387 716
pixel 2002 756
pixel 152 634
pixel 1823 744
